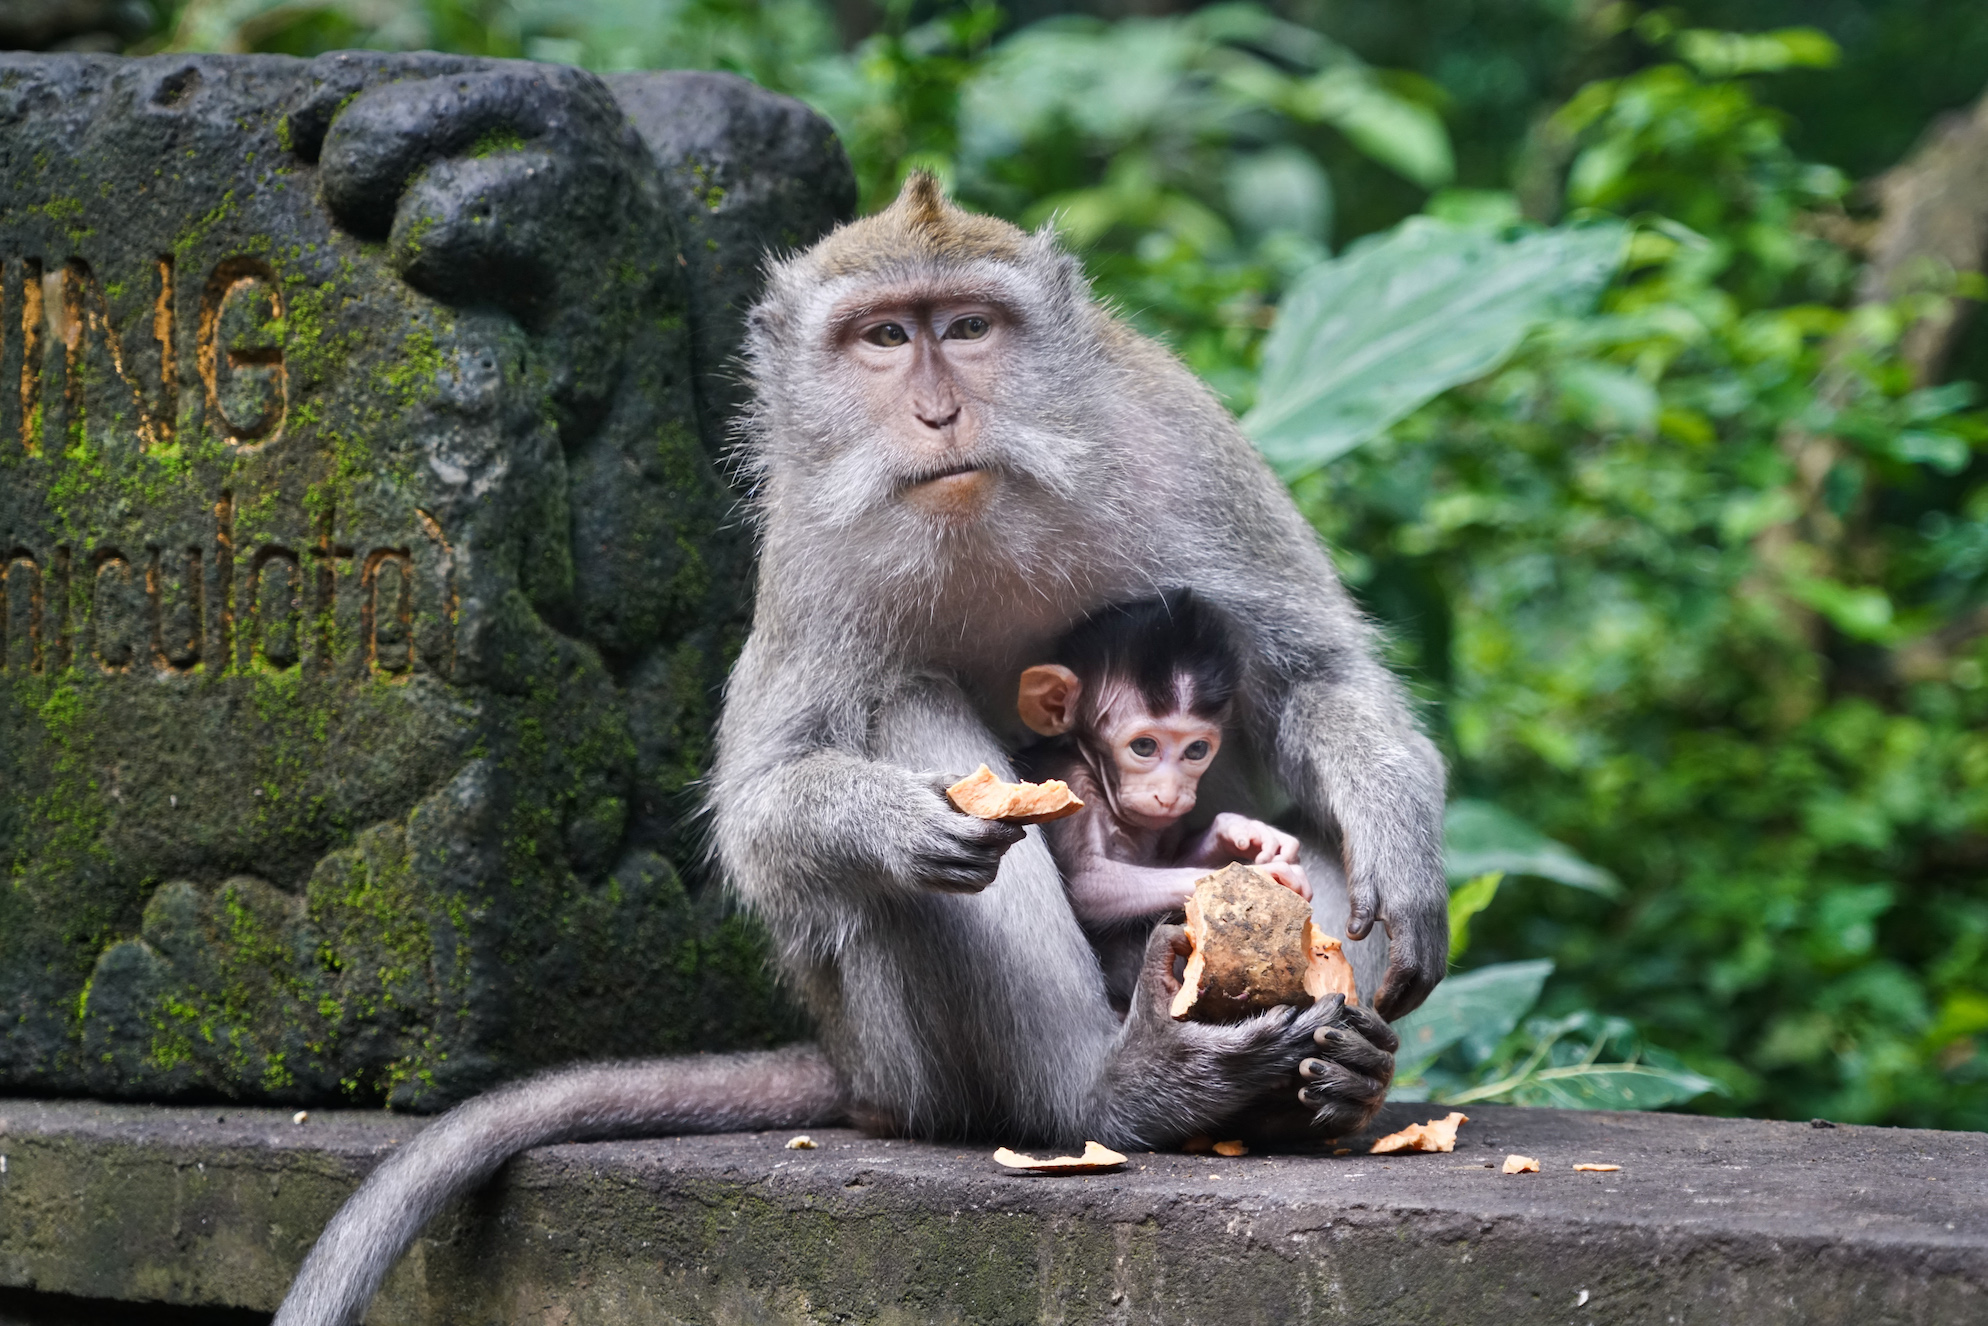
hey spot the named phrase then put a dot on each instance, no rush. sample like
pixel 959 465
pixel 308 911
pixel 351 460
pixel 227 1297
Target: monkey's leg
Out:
pixel 792 1087
pixel 1166 1081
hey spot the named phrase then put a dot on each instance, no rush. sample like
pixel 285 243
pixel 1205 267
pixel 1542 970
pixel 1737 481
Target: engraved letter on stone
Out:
pixel 275 607
pixel 241 354
pixel 20 612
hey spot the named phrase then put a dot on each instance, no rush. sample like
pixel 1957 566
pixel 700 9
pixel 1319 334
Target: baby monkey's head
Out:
pixel 1143 689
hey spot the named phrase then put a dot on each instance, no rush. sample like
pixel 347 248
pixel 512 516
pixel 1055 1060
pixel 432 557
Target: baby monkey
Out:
pixel 1133 711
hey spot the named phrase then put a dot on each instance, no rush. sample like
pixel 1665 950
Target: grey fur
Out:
pixel 456 1153
pixel 955 994
pixel 885 645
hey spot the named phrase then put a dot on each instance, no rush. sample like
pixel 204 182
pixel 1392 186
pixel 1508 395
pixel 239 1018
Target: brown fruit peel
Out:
pixel 986 797
pixel 1327 972
pixel 1097 1159
pixel 1436 1135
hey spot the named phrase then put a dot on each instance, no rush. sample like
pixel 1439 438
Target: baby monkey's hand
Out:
pixel 1240 838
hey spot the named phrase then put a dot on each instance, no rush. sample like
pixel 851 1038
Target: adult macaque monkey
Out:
pixel 955 454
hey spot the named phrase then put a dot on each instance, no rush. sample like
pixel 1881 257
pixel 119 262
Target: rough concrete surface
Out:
pixel 366 578
pixel 1709 1220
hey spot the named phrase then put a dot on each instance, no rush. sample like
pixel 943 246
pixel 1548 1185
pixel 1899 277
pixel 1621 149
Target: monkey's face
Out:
pixel 1159 762
pixel 926 365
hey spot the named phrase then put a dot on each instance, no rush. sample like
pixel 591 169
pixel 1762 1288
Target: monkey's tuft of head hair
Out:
pixel 1173 650
pixel 923 224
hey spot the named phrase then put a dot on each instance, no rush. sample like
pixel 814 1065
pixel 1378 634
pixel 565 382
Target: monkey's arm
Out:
pixel 1348 750
pixel 798 803
pixel 1103 890
pixel 1337 725
pixel 1102 885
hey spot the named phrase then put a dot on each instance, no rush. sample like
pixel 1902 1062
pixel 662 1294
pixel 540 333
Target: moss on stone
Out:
pixel 354 845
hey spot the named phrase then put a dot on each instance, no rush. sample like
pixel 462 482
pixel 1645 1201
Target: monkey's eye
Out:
pixel 1145 747
pixel 886 333
pixel 1196 750
pixel 970 328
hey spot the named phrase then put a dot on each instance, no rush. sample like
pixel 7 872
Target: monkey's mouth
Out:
pixel 956 472
pixel 956 493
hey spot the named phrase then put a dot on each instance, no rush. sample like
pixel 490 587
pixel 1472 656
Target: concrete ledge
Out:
pixel 1710 1220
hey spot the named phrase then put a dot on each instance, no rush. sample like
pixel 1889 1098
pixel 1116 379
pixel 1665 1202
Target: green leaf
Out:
pixel 1467 900
pixel 1608 399
pixel 1480 837
pixel 1365 338
pixel 1474 1011
pixel 1631 1086
pixel 1726 54
pixel 1860 611
pixel 1479 209
pixel 1942 451
pixel 1405 136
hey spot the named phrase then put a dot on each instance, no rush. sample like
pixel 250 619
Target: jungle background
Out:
pixel 1621 355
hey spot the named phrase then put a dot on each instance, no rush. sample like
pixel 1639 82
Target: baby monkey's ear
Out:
pixel 1048 699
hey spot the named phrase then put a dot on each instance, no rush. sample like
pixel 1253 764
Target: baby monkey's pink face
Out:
pixel 1159 760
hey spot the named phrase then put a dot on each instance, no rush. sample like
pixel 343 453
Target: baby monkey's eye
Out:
pixel 886 333
pixel 1196 750
pixel 970 328
pixel 1145 747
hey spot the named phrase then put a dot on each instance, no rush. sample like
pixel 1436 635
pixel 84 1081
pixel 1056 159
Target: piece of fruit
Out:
pixel 1326 969
pixel 1255 947
pixel 983 795
pixel 1517 1164
pixel 1096 1159
pixel 1436 1135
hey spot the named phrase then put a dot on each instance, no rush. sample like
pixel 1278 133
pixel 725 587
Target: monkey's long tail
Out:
pixel 791 1087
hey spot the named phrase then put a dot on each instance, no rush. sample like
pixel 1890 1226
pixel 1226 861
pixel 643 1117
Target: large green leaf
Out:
pixel 1364 338
pixel 1480 837
pixel 1475 1010
pixel 1608 1087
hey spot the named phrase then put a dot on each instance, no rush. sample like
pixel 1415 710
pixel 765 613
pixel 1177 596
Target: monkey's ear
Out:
pixel 1048 699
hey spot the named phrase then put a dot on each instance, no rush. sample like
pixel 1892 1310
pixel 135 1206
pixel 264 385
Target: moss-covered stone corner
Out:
pixel 358 640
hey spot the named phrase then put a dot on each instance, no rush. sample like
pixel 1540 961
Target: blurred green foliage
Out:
pixel 1691 575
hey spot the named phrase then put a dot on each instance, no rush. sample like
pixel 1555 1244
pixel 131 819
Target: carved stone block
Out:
pixel 365 577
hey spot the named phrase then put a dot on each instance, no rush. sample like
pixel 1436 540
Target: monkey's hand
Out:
pixel 950 850
pixel 1348 1080
pixel 1418 947
pixel 1291 875
pixel 1235 837
pixel 1169 1080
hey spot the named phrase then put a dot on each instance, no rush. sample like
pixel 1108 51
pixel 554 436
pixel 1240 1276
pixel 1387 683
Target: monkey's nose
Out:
pixel 937 423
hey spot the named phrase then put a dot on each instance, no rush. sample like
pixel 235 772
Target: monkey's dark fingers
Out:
pixel 939 782
pixel 1369 1025
pixel 1326 1082
pixel 1363 905
pixel 1417 959
pixel 1339 1116
pixel 967 859
pixel 1157 983
pixel 1345 1046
